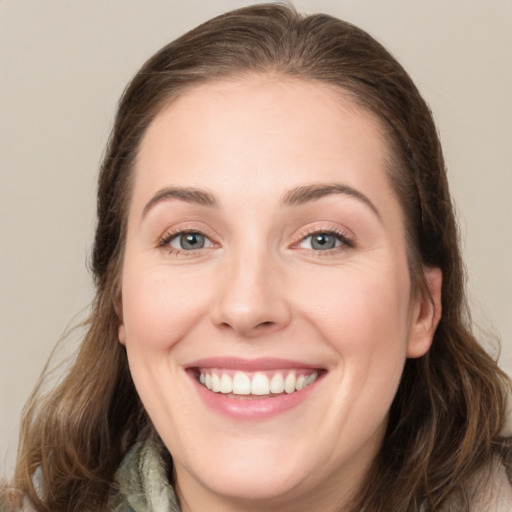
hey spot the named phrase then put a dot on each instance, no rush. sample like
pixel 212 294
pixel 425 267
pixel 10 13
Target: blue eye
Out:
pixel 323 241
pixel 189 241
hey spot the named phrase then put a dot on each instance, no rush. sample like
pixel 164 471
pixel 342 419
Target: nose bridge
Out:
pixel 250 298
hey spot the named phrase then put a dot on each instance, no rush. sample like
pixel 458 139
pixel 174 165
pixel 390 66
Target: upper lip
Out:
pixel 250 365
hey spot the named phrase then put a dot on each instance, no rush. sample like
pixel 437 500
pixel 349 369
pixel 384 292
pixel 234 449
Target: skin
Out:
pixel 260 289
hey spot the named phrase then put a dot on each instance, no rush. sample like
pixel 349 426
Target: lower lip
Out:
pixel 253 408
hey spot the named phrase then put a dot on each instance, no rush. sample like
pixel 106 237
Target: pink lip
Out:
pixel 250 365
pixel 243 407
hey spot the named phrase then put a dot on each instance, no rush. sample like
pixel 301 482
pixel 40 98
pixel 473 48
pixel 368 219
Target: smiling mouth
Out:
pixel 259 384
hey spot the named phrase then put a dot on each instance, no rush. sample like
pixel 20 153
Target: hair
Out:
pixel 445 421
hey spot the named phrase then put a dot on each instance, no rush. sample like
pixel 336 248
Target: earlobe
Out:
pixel 427 314
pixel 121 334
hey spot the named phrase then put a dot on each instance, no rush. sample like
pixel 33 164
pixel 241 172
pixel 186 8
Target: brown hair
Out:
pixel 446 418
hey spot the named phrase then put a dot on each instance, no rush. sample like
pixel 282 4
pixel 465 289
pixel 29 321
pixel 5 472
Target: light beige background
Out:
pixel 63 65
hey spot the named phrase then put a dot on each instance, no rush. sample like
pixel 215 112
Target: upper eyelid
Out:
pixel 332 231
pixel 186 227
pixel 310 230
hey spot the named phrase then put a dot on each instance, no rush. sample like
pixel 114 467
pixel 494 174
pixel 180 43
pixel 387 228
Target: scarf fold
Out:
pixel 142 484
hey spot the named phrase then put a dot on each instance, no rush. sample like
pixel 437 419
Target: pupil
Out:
pixel 323 242
pixel 192 241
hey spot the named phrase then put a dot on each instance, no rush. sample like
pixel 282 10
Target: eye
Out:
pixel 187 241
pixel 324 241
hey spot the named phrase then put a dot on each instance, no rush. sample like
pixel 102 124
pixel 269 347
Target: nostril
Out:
pixel 265 324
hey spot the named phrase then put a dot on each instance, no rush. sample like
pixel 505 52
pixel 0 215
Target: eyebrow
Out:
pixel 294 197
pixel 306 194
pixel 189 195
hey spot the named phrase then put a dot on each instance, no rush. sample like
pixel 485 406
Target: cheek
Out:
pixel 359 311
pixel 364 316
pixel 366 321
pixel 160 307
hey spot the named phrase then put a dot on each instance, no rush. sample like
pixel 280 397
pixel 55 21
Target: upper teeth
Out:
pixel 242 383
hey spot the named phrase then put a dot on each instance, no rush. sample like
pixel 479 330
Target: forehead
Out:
pixel 268 98
pixel 242 134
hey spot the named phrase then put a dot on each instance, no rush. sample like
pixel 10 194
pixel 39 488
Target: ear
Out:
pixel 426 313
pixel 121 334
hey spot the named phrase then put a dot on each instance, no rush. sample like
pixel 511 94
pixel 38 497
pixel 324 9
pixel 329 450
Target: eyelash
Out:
pixel 346 242
pixel 169 236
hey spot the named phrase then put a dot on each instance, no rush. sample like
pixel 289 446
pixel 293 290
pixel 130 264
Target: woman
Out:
pixel 280 320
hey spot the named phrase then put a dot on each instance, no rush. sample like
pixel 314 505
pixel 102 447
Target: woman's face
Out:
pixel 265 259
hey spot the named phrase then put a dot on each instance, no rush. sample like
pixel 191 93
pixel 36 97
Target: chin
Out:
pixel 257 484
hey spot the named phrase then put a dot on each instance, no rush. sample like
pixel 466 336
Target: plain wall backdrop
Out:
pixel 63 66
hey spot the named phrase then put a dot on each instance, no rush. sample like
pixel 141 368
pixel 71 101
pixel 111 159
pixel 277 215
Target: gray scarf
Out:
pixel 142 484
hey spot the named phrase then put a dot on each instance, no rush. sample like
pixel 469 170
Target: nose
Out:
pixel 251 298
